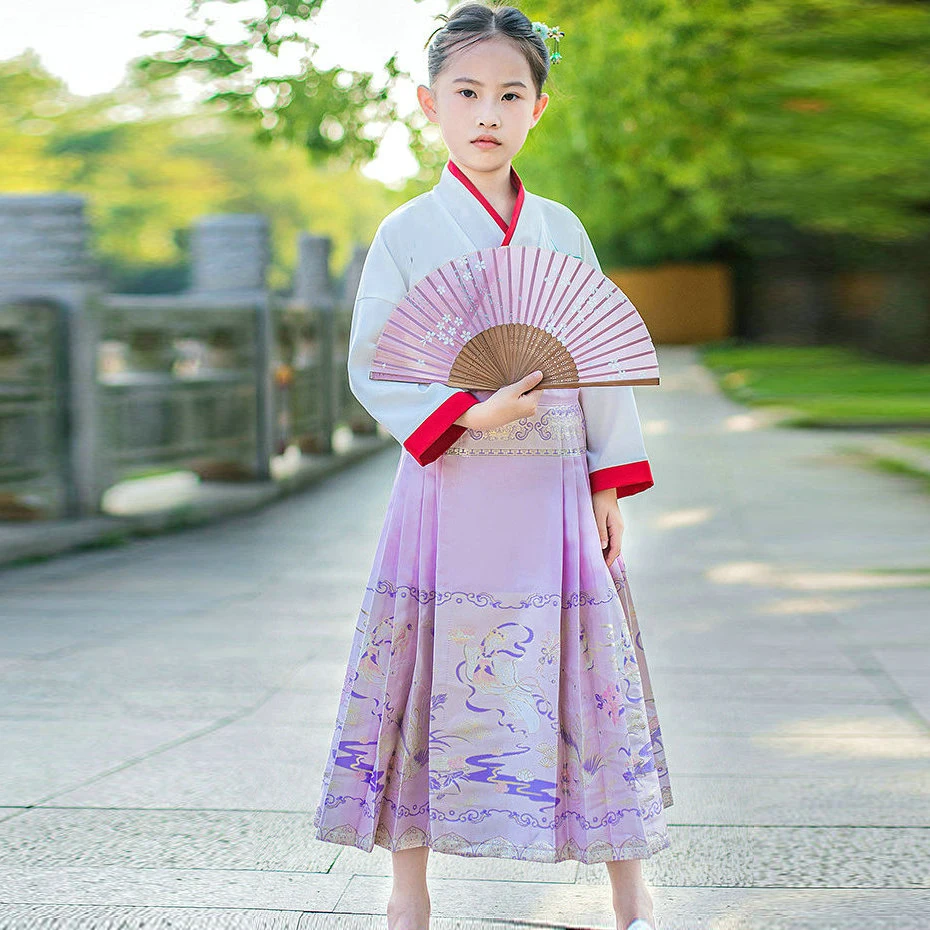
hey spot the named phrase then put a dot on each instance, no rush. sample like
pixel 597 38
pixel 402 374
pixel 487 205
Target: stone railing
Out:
pixel 97 387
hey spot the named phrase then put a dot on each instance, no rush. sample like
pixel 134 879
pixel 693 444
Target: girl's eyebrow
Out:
pixel 469 80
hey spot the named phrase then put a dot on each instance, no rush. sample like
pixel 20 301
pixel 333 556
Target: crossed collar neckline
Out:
pixel 507 229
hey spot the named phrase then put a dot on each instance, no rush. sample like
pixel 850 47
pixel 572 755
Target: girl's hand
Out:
pixel 505 404
pixel 609 522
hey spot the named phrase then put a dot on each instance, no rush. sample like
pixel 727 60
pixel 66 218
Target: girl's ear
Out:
pixel 539 106
pixel 427 103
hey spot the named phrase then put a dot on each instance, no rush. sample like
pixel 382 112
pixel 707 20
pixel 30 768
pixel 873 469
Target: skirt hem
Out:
pixel 498 847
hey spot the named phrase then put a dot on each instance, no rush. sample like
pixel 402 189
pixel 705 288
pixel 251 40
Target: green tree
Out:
pixel 31 101
pixel 673 123
pixel 332 113
pixel 149 171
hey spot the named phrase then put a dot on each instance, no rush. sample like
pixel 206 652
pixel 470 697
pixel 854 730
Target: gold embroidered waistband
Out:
pixel 555 430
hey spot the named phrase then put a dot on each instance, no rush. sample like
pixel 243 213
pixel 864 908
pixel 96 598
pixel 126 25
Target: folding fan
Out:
pixel 491 317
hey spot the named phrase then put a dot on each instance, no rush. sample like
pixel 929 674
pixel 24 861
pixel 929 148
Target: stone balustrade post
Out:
pixel 230 253
pixel 313 288
pixel 45 263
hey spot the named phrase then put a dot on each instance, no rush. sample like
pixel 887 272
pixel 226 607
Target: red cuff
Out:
pixel 626 479
pixel 438 431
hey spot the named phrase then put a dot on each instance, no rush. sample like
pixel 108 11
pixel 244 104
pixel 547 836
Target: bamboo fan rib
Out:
pixel 491 317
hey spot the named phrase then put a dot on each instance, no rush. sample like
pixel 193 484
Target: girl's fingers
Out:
pixel 610 531
pixel 616 534
pixel 613 550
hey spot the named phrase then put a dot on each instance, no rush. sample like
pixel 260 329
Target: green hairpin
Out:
pixel 550 32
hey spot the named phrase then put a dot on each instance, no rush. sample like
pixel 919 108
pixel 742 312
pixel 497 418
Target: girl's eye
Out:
pixel 510 93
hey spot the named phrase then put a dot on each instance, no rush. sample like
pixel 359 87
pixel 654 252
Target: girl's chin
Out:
pixel 479 155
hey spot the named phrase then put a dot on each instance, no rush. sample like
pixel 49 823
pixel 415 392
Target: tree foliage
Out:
pixel 673 123
pixel 334 114
pixel 149 172
pixel 675 127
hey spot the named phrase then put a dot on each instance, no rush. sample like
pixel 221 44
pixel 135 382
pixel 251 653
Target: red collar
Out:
pixel 517 185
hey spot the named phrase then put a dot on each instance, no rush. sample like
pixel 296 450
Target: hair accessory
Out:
pixel 550 32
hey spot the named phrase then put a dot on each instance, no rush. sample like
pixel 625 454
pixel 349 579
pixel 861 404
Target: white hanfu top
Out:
pixel 449 221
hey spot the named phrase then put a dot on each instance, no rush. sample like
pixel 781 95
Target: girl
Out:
pixel 497 700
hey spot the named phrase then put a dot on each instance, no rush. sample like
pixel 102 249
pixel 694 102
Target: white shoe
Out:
pixel 640 924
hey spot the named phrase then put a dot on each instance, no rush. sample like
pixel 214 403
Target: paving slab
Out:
pixel 170 888
pixel 891 798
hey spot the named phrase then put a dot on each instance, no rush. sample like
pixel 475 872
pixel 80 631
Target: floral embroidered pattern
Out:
pixel 459 450
pixel 511 677
pixel 484 599
pixel 556 430
pixel 555 422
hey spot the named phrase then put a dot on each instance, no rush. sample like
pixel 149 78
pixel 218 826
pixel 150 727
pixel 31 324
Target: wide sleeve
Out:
pixel 419 416
pixel 616 450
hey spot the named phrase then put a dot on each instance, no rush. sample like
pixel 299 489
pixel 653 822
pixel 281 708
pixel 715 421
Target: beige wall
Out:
pixel 682 302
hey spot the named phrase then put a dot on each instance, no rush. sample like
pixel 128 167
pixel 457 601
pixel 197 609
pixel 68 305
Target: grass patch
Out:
pixel 897 467
pixel 919 440
pixel 827 385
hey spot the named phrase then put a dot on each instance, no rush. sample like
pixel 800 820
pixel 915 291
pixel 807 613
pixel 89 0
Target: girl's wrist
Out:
pixel 467 418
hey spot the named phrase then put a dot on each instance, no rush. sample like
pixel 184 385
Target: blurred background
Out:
pixel 754 175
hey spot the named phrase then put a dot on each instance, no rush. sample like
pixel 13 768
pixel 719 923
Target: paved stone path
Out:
pixel 167 705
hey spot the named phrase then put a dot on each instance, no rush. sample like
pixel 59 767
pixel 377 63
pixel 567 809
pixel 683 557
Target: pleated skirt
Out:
pixel 497 700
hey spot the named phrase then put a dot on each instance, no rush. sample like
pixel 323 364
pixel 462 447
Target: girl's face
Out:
pixel 485 90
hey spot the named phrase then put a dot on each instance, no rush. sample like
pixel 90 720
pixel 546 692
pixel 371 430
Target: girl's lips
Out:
pixel 486 144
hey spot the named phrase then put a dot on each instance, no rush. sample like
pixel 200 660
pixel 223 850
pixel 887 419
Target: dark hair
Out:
pixel 473 22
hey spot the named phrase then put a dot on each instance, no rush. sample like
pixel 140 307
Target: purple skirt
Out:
pixel 497 700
